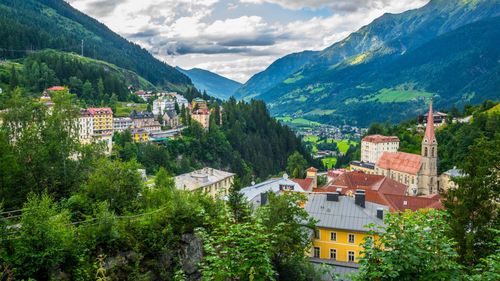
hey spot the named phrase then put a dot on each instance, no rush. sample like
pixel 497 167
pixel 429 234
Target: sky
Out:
pixel 236 38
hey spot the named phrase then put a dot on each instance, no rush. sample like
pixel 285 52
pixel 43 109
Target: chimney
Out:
pixel 333 197
pixel 263 199
pixel 359 198
pixel 380 213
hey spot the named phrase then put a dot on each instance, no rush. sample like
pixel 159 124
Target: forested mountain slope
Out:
pixel 330 87
pixel 39 24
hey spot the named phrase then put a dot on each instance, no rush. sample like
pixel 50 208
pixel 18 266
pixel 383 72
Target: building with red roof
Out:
pixel 56 88
pixel 380 190
pixel 419 172
pixel 373 146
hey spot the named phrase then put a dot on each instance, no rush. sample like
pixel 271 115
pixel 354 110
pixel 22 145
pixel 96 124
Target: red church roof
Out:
pixel 400 161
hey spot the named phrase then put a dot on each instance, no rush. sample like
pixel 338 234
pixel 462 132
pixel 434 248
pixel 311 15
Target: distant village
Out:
pixel 159 125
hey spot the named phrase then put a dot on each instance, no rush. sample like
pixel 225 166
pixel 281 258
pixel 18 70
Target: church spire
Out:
pixel 429 130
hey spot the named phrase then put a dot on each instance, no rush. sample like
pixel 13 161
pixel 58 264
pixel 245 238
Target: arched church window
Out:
pixel 432 152
pixel 425 152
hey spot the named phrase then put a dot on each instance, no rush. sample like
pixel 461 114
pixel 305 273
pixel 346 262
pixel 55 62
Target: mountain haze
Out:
pixel 214 84
pixel 390 65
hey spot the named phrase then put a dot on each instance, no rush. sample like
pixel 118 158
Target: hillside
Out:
pixel 91 80
pixel 214 84
pixel 421 48
pixel 54 24
pixel 277 72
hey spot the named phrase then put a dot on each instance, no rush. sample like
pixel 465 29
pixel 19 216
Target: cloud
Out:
pixel 236 38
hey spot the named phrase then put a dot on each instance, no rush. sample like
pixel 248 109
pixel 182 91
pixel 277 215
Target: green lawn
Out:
pixel 122 110
pixel 293 79
pixel 343 145
pixel 329 162
pixel 394 95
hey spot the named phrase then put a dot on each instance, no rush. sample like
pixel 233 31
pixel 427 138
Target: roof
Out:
pixel 429 130
pixel 454 172
pixel 380 139
pixel 98 110
pixel 344 214
pixel 403 202
pixel 400 161
pixel 362 164
pixel 336 172
pixel 141 114
pixel 56 88
pixel 306 183
pixel 200 178
pixel 359 180
pixel 312 169
pixel 273 185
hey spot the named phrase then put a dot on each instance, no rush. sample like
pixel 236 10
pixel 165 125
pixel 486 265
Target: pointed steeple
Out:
pixel 429 130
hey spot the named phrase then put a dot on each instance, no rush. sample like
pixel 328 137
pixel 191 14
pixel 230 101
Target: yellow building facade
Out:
pixel 338 245
pixel 139 135
pixel 102 119
pixel 341 225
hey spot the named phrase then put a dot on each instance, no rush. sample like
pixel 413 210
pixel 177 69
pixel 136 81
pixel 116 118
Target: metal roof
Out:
pixel 252 193
pixel 343 214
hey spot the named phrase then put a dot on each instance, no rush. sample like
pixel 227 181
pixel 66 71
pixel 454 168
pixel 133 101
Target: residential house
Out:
pixel 311 180
pixel 171 119
pixel 163 103
pixel 213 182
pixel 341 225
pixel 256 194
pixel 201 116
pixel 439 119
pixel 139 135
pixel 446 179
pixel 121 124
pixel 145 120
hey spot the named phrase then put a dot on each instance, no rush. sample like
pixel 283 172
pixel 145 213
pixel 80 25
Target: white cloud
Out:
pixel 234 46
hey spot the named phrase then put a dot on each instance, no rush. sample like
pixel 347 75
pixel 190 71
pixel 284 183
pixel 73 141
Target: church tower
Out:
pixel 428 172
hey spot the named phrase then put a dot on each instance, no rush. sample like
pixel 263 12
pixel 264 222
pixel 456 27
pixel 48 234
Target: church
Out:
pixel 418 172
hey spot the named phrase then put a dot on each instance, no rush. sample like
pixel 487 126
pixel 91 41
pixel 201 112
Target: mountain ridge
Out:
pixel 214 84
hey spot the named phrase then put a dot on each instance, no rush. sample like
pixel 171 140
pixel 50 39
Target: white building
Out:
pixel 162 104
pixel 373 146
pixel 121 124
pixel 213 182
pixel 85 127
pixel 257 194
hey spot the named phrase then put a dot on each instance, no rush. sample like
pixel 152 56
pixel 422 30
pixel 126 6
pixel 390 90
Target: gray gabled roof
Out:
pixel 343 214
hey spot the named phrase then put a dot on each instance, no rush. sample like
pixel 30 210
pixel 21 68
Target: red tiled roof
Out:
pixel 380 138
pixel 400 161
pixel 336 172
pixel 56 88
pixel 429 130
pixel 306 183
pixel 312 169
pixel 94 110
pixel 359 180
pixel 401 203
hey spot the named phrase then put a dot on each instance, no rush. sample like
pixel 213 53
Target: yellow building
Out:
pixel 341 225
pixel 365 167
pixel 102 119
pixel 139 135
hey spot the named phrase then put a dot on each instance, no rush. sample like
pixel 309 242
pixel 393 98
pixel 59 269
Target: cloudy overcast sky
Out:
pixel 236 38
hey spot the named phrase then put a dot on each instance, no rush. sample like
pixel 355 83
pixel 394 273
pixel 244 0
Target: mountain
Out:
pixel 214 84
pixel 445 49
pixel 274 74
pixel 53 24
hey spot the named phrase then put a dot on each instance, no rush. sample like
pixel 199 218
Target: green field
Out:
pixel 122 110
pixel 293 79
pixel 394 95
pixel 297 121
pixel 329 162
pixel 344 145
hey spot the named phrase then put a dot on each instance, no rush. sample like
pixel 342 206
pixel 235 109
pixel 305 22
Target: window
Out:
pixel 333 236
pixel 351 238
pixel 333 254
pixel 316 234
pixel 350 256
pixel 316 252
pixel 425 152
pixel 432 153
